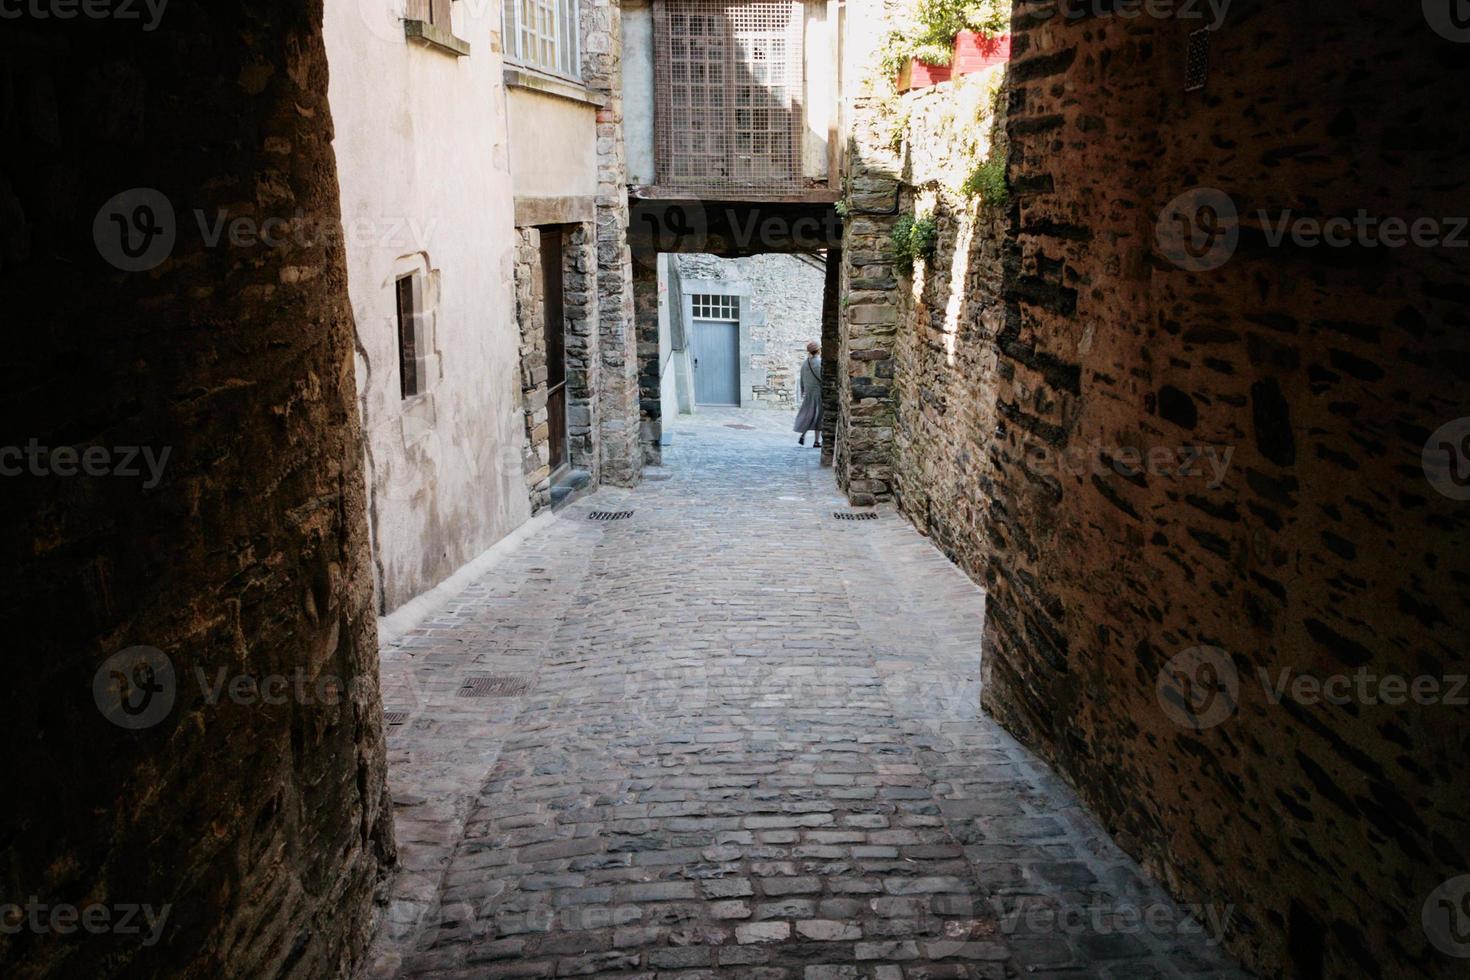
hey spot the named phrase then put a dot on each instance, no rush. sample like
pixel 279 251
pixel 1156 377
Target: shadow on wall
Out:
pixel 1202 479
pixel 160 807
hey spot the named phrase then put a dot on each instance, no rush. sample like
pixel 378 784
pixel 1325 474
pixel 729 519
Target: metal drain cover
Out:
pixel 495 686
pixel 395 718
pixel 739 425
pixel 849 515
pixel 609 515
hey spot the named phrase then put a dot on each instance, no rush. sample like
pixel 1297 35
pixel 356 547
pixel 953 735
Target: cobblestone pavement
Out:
pixel 747 744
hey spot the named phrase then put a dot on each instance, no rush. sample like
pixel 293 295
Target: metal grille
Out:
pixel 847 515
pixel 609 515
pixel 728 94
pixel 1197 61
pixel 395 718
pixel 495 686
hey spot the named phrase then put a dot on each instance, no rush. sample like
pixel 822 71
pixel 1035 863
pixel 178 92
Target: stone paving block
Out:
pixel 751 748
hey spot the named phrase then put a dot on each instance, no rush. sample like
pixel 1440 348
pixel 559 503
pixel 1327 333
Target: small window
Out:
pixel 543 35
pixel 712 307
pixel 410 365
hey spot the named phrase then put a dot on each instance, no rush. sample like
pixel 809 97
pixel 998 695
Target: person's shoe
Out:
pixel 801 439
pixel 816 445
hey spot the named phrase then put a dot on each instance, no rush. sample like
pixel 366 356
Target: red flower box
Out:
pixel 976 52
pixel 920 74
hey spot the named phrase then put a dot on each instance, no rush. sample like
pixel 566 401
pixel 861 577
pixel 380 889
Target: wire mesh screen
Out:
pixel 728 99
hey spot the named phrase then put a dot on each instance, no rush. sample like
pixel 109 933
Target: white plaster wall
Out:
pixel 422 160
pixel 553 145
pixel 638 91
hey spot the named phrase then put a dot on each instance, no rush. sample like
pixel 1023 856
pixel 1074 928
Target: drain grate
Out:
pixel 495 686
pixel 395 718
pixel 853 515
pixel 739 425
pixel 609 515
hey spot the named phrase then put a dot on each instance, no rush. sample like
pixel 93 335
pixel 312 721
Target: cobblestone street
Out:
pixel 733 735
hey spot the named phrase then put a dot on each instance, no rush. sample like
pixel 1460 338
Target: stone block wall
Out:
pixel 951 313
pixel 626 429
pixel 1227 457
pixel 254 830
pixel 579 259
pixel 869 310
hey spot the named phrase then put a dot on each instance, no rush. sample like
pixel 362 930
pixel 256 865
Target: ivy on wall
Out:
pixel 931 28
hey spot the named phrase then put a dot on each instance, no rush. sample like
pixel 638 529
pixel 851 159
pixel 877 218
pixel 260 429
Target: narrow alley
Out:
pixel 732 730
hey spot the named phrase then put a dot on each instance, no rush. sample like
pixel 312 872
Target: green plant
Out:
pixel 914 238
pixel 932 27
pixel 989 181
pixel 843 209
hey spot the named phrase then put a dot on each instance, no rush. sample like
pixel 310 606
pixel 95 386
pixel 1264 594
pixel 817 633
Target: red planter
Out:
pixel 976 52
pixel 920 74
pixel 972 52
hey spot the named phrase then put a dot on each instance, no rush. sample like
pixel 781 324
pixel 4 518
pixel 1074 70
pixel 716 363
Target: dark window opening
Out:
pixel 409 376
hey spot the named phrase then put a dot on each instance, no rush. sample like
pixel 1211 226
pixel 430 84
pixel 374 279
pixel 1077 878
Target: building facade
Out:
pixel 430 272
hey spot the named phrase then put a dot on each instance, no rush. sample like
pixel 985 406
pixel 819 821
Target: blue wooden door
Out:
pixel 716 362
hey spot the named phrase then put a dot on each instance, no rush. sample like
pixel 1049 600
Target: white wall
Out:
pixel 421 145
pixel 638 91
pixel 553 146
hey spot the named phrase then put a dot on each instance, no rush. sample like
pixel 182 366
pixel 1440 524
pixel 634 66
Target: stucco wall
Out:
pixel 421 146
pixel 553 146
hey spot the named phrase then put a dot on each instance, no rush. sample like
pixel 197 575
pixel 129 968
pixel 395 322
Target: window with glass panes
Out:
pixel 543 35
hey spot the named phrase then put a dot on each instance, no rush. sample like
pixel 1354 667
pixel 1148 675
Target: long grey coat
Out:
pixel 809 416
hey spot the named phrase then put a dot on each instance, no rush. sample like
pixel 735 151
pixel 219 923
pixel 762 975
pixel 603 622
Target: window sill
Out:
pixel 433 36
pixel 521 78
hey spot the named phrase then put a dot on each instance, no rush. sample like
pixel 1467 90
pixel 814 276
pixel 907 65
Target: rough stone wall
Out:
pixel 1322 550
pixel 950 315
pixel 530 304
pixel 258 828
pixel 628 432
pixel 869 310
pixel 787 291
pixel 580 308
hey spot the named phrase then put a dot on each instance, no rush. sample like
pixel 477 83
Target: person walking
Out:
pixel 809 416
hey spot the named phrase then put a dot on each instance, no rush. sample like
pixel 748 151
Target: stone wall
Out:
pixel 950 316
pixel 1141 611
pixel 628 432
pixel 786 295
pixel 253 830
pixel 869 309
pixel 579 258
